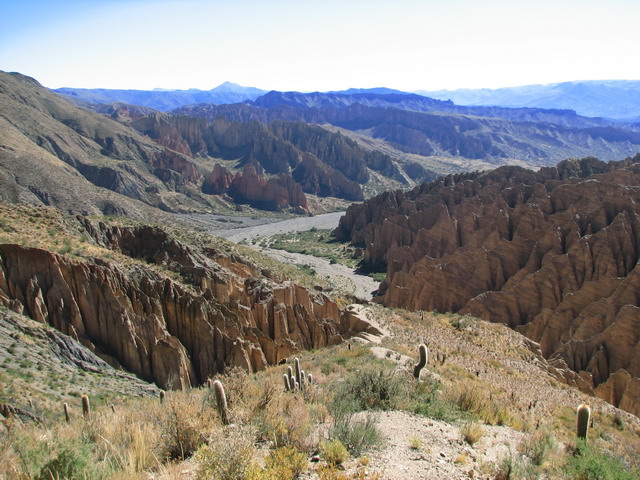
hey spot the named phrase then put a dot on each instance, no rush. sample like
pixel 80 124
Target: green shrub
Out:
pixel 357 434
pixel 72 462
pixel 589 463
pixel 372 388
pixel 334 452
pixel 425 399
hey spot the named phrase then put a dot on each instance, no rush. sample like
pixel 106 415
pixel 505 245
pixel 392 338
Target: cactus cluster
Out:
pixel 417 368
pixel 299 380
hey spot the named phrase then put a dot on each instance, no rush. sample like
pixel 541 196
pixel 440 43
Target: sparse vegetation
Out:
pixel 471 432
pixel 486 382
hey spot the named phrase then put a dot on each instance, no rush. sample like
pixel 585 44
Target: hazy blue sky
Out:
pixel 319 45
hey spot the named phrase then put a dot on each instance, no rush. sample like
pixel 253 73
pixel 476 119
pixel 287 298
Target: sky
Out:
pixel 319 45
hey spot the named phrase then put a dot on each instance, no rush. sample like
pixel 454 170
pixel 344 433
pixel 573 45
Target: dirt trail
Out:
pixel 339 276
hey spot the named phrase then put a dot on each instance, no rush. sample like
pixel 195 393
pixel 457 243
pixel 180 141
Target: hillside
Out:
pixel 170 313
pixel 487 404
pixel 133 161
pixel 49 145
pixel 321 162
pixel 552 254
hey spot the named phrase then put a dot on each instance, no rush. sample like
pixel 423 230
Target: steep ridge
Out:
pixel 552 254
pixel 221 312
pixel 421 103
pixel 47 144
pixel 534 136
pixel 295 149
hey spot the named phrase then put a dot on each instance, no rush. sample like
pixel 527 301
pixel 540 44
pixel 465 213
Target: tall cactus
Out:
pixel 86 407
pixel 65 406
pixel 221 401
pixel 423 361
pixel 161 396
pixel 298 371
pixel 583 417
pixel 287 383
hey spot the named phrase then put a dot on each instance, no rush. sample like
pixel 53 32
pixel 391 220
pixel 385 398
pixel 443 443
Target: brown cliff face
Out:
pixel 276 193
pixel 335 164
pixel 175 334
pixel 552 254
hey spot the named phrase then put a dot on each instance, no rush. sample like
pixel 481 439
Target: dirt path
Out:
pixel 340 277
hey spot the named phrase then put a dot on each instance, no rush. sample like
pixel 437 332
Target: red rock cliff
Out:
pixel 176 334
pixel 552 254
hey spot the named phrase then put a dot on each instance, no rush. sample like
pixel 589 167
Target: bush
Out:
pixel 227 458
pixel 537 446
pixel 589 463
pixel 282 464
pixel 286 422
pixel 71 463
pixel 357 434
pixel 183 425
pixel 372 388
pixel 425 400
pixel 515 468
pixel 334 452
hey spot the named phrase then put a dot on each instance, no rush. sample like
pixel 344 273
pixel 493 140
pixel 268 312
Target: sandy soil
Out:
pixel 298 224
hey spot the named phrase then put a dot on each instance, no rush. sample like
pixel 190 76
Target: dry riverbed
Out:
pixel 340 277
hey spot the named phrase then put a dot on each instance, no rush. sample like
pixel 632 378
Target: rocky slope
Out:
pixel 552 254
pixel 48 145
pixel 177 322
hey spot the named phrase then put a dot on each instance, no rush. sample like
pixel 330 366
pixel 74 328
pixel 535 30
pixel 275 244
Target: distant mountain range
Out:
pixel 164 100
pixel 616 99
pixel 613 99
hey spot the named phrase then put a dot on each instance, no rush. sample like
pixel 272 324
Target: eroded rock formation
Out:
pixel 247 186
pixel 220 313
pixel 552 254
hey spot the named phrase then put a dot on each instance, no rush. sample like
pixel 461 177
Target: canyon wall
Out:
pixel 553 254
pixel 221 312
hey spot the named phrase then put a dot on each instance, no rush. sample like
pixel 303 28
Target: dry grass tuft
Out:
pixel 471 432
